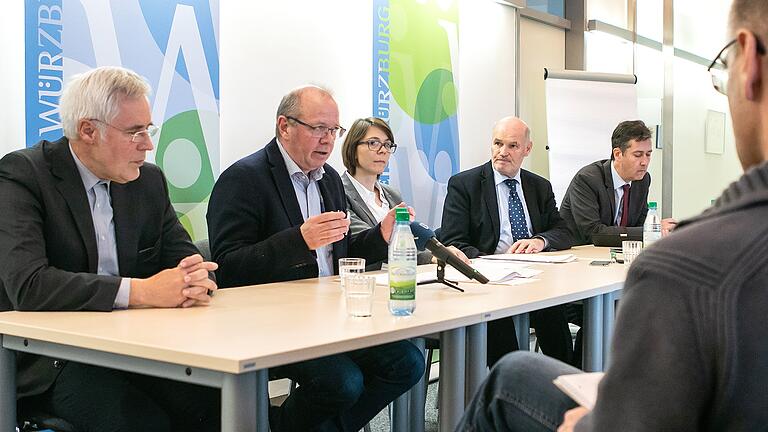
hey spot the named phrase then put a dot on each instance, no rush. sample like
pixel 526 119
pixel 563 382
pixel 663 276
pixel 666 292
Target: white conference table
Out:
pixel 232 343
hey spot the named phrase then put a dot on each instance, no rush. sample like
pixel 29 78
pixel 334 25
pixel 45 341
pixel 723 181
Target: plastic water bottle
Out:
pixel 652 226
pixel 402 266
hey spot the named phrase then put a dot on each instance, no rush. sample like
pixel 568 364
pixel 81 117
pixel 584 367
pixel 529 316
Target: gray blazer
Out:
pixel 362 219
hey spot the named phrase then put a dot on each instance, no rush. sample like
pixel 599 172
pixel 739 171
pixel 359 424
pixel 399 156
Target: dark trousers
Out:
pixel 93 398
pixel 552 332
pixel 343 392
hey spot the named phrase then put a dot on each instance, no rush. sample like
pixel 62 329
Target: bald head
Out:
pixel 511 123
pixel 511 144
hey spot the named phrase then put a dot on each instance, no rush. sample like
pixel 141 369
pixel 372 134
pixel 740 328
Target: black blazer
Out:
pixel 254 223
pixel 48 243
pixel 589 204
pixel 471 212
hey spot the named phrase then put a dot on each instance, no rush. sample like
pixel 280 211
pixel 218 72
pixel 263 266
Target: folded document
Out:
pixel 581 387
pixel 532 258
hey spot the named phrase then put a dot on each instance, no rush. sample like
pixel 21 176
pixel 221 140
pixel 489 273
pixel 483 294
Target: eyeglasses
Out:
pixel 320 131
pixel 376 145
pixel 719 66
pixel 137 136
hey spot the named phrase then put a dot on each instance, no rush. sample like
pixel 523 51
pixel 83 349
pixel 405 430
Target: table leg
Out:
pixel 477 353
pixel 7 388
pixel 242 402
pixel 609 317
pixel 418 396
pixel 593 334
pixel 523 330
pixel 399 421
pixel 452 361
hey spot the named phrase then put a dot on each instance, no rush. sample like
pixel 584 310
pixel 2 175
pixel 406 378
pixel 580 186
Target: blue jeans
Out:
pixel 519 396
pixel 343 392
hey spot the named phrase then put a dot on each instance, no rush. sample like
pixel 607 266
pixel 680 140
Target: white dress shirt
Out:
pixel 369 197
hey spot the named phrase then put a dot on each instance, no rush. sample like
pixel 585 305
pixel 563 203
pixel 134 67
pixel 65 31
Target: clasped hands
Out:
pixel 185 285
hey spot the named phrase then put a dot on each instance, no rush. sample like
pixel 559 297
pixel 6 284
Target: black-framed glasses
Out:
pixel 320 131
pixel 376 145
pixel 137 136
pixel 719 66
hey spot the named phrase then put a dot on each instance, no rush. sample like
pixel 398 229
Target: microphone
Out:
pixel 425 239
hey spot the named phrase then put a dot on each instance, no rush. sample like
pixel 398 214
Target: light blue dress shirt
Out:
pixel 311 203
pixel 100 203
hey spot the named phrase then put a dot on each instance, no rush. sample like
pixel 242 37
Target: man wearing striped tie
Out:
pixel 609 196
pixel 498 208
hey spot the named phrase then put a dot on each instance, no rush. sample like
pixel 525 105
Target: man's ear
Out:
pixel 752 66
pixel 616 152
pixel 282 126
pixel 87 131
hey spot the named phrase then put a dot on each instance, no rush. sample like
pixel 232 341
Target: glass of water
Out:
pixel 631 249
pixel 359 295
pixel 349 266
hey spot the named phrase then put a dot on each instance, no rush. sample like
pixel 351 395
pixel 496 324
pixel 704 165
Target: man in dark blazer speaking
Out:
pixel 498 208
pixel 87 226
pixel 279 215
pixel 609 196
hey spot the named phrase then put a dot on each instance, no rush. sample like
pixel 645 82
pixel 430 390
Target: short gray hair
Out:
pixel 290 105
pixel 96 94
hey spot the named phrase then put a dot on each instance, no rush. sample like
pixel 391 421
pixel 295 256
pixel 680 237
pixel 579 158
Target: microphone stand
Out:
pixel 441 277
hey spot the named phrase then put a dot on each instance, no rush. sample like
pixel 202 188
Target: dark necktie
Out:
pixel 624 206
pixel 516 214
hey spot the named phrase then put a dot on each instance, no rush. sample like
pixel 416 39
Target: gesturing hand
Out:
pixel 324 229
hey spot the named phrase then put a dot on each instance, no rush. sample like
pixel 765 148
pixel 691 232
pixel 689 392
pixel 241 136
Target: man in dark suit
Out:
pixel 609 196
pixel 279 215
pixel 498 207
pixel 87 226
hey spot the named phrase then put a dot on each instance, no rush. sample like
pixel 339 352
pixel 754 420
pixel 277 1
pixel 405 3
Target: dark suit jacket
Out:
pixel 471 212
pixel 254 223
pixel 589 205
pixel 48 243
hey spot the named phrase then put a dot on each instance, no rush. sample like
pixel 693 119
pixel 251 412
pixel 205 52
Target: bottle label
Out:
pixel 402 290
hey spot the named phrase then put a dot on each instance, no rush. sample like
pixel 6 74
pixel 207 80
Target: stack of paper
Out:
pixel 496 271
pixel 581 387
pixel 533 258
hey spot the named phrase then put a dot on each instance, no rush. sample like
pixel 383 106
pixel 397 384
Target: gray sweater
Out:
pixel 690 350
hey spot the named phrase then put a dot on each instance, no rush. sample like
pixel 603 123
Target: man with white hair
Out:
pixel 689 350
pixel 88 226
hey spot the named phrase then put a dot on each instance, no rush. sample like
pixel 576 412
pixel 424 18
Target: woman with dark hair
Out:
pixel 368 145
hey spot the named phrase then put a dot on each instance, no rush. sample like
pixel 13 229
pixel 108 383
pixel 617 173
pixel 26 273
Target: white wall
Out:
pixel 265 52
pixel 487 35
pixel 698 177
pixel 12 77
pixel 541 46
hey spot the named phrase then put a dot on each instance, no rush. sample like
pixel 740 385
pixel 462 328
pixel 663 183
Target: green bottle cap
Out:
pixel 402 215
pixel 652 205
